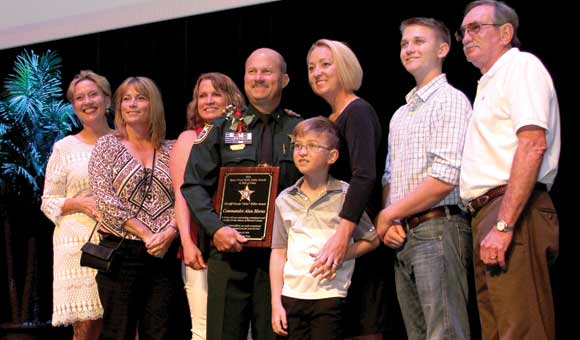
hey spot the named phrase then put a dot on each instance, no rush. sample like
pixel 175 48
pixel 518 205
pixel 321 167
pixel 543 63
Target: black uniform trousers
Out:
pixel 239 295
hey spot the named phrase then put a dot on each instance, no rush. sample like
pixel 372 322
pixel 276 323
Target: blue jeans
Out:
pixel 431 279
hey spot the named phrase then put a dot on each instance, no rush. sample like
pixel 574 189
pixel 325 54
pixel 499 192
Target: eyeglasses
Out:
pixel 309 147
pixel 471 28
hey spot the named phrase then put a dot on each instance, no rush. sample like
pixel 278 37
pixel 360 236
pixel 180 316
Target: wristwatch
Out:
pixel 502 226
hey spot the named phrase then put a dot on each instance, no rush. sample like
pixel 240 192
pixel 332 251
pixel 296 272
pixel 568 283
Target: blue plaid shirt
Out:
pixel 426 138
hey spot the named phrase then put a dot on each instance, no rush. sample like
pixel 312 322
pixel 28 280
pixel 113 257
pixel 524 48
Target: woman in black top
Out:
pixel 334 74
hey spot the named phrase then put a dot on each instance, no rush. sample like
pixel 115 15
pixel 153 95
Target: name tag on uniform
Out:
pixel 237 147
pixel 238 138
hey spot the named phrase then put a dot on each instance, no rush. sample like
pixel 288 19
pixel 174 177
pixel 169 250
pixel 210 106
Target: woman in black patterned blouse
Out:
pixel 129 175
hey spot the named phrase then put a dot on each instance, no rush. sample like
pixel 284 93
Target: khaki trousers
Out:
pixel 516 303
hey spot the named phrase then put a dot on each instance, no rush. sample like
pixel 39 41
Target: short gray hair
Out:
pixel 503 14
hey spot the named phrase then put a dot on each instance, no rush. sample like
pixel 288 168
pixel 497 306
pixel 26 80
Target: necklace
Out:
pixel 334 116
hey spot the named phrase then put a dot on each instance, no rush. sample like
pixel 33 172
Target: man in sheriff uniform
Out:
pixel 238 277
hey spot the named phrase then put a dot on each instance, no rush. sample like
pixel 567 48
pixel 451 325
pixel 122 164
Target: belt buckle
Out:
pixel 470 207
pixel 480 202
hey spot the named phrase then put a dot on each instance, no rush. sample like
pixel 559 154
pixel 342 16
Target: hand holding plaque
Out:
pixel 228 239
pixel 246 201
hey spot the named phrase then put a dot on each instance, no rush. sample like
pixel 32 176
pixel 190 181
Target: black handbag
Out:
pixel 103 258
pixel 97 256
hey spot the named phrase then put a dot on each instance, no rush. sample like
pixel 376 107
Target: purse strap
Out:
pixel 140 205
pixel 149 185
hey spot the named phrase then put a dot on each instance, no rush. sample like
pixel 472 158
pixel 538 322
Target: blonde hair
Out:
pixel 146 87
pixel 101 82
pixel 350 72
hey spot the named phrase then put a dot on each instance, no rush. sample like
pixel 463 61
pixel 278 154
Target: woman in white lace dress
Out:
pixel 67 200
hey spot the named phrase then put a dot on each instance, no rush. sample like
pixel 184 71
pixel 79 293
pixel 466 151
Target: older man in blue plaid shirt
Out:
pixel 422 219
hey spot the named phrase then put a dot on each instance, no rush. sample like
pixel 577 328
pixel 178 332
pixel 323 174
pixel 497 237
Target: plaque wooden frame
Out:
pixel 240 201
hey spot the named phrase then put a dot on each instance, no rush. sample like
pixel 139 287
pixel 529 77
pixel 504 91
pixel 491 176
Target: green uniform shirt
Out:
pixel 210 152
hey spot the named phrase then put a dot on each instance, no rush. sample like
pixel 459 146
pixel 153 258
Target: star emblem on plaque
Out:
pixel 246 193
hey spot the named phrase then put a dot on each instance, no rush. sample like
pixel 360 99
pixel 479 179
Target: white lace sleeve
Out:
pixel 54 194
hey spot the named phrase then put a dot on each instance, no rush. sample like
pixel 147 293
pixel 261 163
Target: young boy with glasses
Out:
pixel 305 306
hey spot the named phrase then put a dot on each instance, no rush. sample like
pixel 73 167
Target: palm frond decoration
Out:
pixel 33 116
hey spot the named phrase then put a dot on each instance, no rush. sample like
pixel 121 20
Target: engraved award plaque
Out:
pixel 246 201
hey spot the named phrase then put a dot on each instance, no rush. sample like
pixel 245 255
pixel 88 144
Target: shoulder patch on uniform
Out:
pixel 203 134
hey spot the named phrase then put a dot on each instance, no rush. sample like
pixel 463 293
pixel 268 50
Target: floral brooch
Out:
pixel 239 120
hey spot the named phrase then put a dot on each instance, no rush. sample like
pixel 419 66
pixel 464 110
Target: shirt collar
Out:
pixel 276 115
pixel 332 185
pixel 503 60
pixel 426 91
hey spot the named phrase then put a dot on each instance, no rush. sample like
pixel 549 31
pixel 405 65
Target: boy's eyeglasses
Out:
pixel 471 28
pixel 309 147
